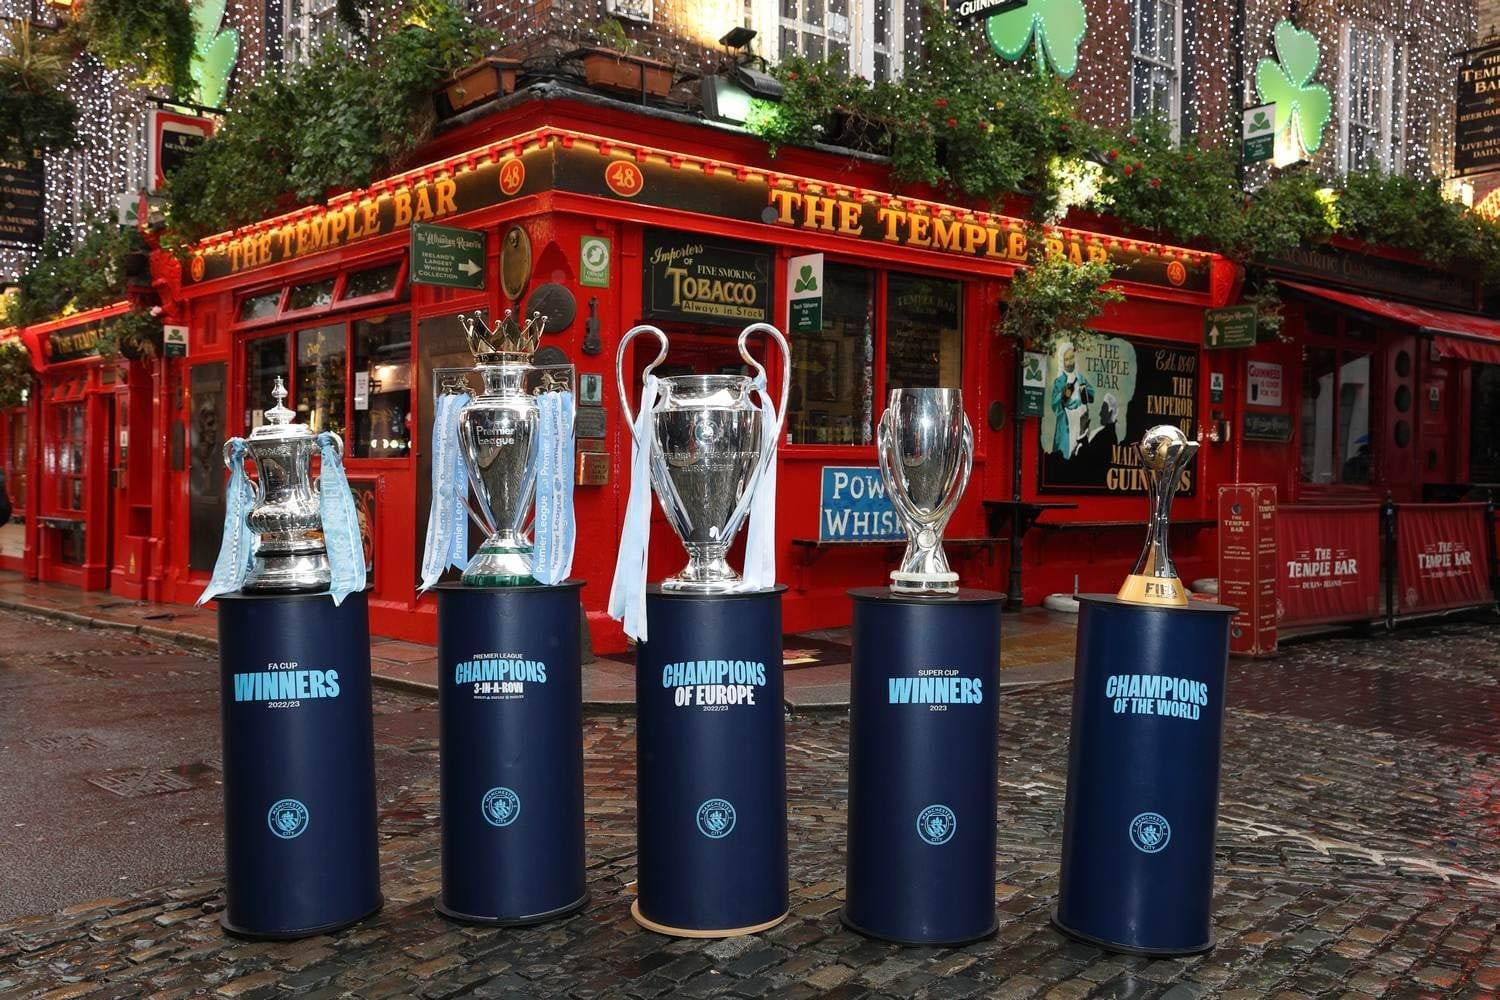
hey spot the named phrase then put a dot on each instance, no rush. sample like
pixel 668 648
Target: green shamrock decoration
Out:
pixel 1057 24
pixel 1302 108
pixel 805 281
pixel 214 50
pixel 1259 123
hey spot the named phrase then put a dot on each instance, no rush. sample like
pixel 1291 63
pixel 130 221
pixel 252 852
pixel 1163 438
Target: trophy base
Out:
pixel 705 575
pixel 1161 591
pixel 500 566
pixel 923 583
pixel 288 573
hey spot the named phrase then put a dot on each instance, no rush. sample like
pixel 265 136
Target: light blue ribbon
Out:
pixel 627 595
pixel 552 550
pixel 760 542
pixel 341 537
pixel 237 548
pixel 447 519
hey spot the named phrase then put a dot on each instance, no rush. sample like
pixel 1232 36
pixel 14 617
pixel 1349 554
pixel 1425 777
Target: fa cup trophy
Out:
pixel 1165 453
pixel 709 446
pixel 507 436
pixel 926 450
pixel 284 532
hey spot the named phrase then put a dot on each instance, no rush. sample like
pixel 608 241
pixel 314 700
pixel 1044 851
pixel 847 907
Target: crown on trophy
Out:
pixel 507 342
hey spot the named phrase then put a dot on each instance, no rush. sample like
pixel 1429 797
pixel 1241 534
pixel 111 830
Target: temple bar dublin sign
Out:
pixel 557 160
pixel 1476 135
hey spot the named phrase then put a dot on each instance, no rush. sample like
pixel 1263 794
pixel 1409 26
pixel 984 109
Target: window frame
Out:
pixel 878 343
pixel 766 17
pixel 1345 348
pixel 1139 56
pixel 289 330
pixel 397 295
pixel 1390 128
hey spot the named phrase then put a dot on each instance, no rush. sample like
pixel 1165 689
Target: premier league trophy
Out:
pixel 509 678
pixel 497 432
pixel 1165 453
pixel 710 786
pixel 1143 760
pixel 926 450
pixel 294 661
pixel 922 809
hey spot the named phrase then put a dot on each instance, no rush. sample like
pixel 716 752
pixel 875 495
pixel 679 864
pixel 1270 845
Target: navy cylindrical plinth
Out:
pixel 299 764
pixel 923 730
pixel 710 765
pixel 1143 776
pixel 511 744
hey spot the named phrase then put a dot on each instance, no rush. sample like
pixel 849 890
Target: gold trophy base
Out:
pixel 1164 591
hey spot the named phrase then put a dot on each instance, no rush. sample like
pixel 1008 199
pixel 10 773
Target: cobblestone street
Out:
pixel 1359 853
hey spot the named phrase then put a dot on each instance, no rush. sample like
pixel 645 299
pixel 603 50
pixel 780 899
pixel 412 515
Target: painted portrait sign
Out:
pixel 1100 395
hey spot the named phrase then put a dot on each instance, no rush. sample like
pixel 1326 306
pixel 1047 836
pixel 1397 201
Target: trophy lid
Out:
pixel 278 425
pixel 507 342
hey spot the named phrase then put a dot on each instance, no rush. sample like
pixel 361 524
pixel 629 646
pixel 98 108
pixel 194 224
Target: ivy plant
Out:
pixel 70 276
pixel 151 40
pixel 15 373
pixel 339 122
pixel 35 112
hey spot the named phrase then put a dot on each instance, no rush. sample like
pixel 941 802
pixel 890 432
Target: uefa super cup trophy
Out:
pixel 1165 453
pixel 290 555
pixel 498 436
pixel 709 447
pixel 926 450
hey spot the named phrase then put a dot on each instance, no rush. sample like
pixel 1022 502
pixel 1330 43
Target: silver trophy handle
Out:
pixel 260 494
pixel 786 366
pixel 661 356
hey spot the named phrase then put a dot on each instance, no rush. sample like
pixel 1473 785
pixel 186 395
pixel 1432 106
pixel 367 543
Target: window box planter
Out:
pixel 627 74
pixel 484 80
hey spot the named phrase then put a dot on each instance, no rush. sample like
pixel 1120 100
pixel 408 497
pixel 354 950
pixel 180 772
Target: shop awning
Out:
pixel 1456 335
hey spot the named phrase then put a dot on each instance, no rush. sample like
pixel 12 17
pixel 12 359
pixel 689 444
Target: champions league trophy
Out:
pixel 711 835
pixel 926 450
pixel 1165 453
pixel 506 436
pixel 709 446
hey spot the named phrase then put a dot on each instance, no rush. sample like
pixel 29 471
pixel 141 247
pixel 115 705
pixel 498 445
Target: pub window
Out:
pixel 371 281
pixel 321 360
pixel 262 306
pixel 1336 446
pixel 310 295
pixel 833 382
pixel 1156 62
pixel 382 386
pixel 924 332
pixel 265 359
pixel 1484 428
pixel 69 457
pixel 1371 96
pixel 861 37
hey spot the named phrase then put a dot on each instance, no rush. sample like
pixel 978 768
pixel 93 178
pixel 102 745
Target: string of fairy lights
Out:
pixel 109 158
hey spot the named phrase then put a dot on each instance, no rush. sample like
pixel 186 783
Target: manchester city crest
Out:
pixel 501 806
pixel 936 825
pixel 287 819
pixel 1149 832
pixel 715 818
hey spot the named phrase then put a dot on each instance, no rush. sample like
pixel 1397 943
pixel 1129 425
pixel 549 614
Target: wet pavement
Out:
pixel 1359 847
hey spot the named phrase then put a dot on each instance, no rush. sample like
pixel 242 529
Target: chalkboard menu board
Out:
pixel 923 342
pixel 1101 395
pixel 22 196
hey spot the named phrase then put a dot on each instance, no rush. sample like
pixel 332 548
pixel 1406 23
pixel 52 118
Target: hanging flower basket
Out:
pixel 15 374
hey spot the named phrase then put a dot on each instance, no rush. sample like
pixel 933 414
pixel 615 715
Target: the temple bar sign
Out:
pixel 1476 135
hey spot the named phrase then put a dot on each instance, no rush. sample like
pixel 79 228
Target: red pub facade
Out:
pixel 603 215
